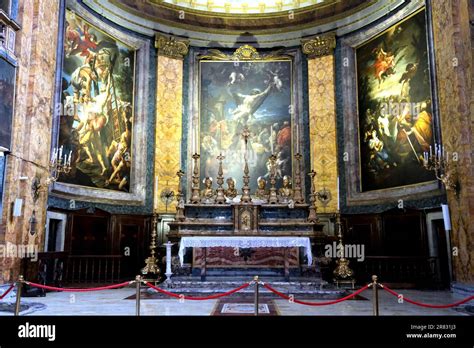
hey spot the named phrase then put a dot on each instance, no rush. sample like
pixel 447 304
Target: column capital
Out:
pixel 319 46
pixel 171 47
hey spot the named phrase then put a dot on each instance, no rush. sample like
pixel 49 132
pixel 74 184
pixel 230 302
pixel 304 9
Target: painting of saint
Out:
pixel 254 95
pixel 7 93
pixel 97 106
pixel 395 106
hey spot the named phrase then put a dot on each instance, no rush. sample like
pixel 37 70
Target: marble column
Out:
pixel 169 106
pixel 35 50
pixel 322 115
pixel 453 43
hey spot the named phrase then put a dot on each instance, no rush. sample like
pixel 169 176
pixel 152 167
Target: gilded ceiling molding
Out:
pixel 245 52
pixel 319 46
pixel 170 47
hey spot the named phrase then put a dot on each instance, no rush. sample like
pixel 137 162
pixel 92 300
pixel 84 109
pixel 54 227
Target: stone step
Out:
pixel 317 290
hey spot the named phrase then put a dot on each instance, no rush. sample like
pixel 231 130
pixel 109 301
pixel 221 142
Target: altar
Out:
pixel 237 243
pixel 266 227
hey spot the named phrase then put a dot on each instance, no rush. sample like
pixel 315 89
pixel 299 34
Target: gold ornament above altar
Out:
pixel 243 53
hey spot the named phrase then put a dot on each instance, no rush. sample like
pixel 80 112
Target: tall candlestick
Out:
pixel 55 155
pixel 446 217
pixel 338 196
pixel 297 139
pixel 271 138
pixel 220 137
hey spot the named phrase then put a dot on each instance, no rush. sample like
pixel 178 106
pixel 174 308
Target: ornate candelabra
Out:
pixel 58 164
pixel 342 271
pixel 312 217
pixel 220 197
pixel 179 198
pixel 272 197
pixel 246 198
pixel 195 198
pixel 439 163
pixel 297 192
pixel 151 263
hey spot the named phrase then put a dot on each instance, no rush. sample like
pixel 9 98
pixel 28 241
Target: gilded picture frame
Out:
pixel 136 194
pixel 244 55
pixel 351 146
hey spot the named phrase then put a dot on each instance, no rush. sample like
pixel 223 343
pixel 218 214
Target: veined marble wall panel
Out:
pixel 36 52
pixel 169 105
pixel 322 123
pixel 453 44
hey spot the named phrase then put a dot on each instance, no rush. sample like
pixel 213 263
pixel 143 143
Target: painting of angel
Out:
pixel 96 106
pixel 395 106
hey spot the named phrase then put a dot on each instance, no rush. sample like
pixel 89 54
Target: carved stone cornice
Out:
pixel 319 46
pixel 170 47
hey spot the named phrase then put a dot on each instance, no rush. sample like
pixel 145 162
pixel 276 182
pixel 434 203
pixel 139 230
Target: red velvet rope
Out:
pixel 198 298
pixel 316 303
pixel 6 292
pixel 46 287
pixel 470 298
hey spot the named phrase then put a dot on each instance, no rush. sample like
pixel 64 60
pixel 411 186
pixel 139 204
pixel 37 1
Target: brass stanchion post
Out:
pixel 375 295
pixel 19 285
pixel 256 294
pixel 138 281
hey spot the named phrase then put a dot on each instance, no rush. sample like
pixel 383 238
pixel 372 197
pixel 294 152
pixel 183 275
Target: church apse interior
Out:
pixel 198 145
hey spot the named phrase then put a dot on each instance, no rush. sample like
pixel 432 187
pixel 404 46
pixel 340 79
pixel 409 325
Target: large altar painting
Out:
pixel 97 106
pixel 395 106
pixel 247 94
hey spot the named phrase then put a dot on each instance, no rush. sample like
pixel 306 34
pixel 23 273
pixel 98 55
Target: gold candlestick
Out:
pixel 273 197
pixel 220 197
pixel 298 197
pixel 342 271
pixel 312 217
pixel 195 198
pixel 179 198
pixel 151 263
pixel 440 165
pixel 246 198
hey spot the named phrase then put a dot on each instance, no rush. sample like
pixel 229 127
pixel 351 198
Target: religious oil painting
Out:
pixel 253 97
pixel 97 107
pixel 7 89
pixel 395 106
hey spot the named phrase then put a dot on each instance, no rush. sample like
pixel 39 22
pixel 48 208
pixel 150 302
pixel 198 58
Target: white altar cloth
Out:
pixel 246 242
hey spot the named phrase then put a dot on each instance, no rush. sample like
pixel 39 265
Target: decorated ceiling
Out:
pixel 245 6
pixel 229 23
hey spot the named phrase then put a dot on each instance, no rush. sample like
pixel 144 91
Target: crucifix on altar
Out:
pixel 246 198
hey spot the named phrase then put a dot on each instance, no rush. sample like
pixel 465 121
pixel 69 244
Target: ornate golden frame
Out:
pixel 245 53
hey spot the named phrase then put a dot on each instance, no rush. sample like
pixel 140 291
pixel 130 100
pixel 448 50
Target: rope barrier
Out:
pixel 212 297
pixel 470 298
pixel 53 288
pixel 216 296
pixel 6 292
pixel 316 303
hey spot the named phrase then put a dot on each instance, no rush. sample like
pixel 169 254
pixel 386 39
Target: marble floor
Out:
pixel 113 302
